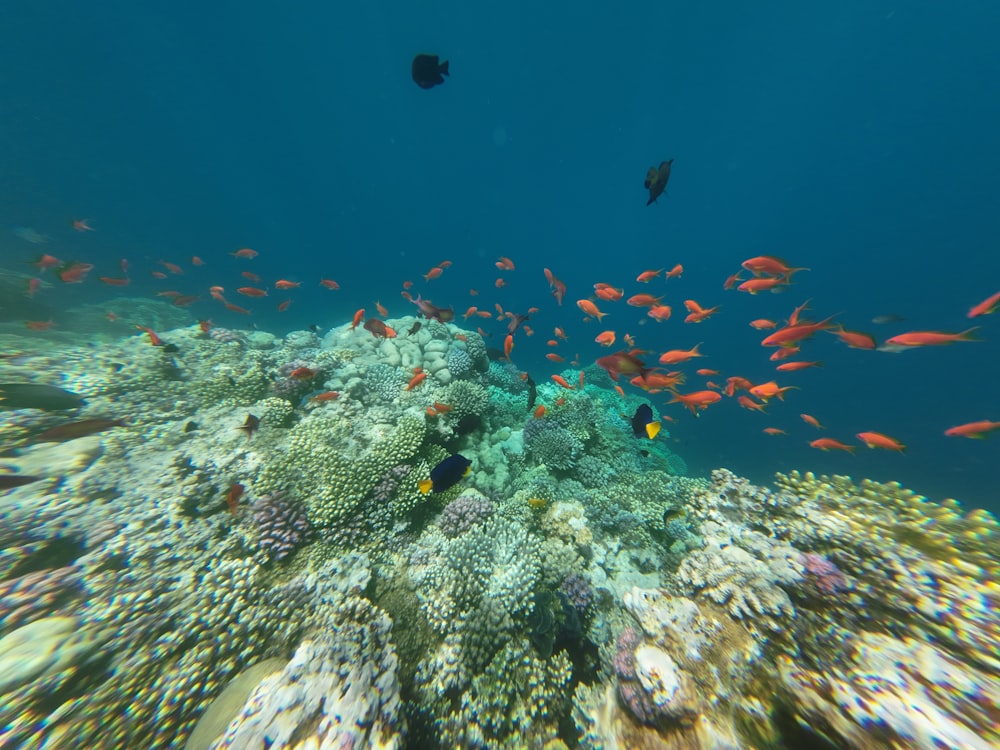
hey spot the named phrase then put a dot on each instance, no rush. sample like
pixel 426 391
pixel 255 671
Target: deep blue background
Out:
pixel 860 141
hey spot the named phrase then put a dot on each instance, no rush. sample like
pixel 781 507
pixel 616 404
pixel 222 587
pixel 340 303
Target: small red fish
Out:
pixel 205 325
pixel 986 307
pixel 47 261
pixel 172 267
pixel 38 325
pixel 250 276
pixel 245 252
pixel 74 273
pixel 282 306
pixel 158 274
pixel 560 380
pixel 326 396
pixel 539 412
pixel 250 291
pixel 115 280
pixel 196 261
pixel 303 373
pixel 82 225
pixel 284 284
pixel 329 284
pixel 236 308
pixel 233 497
pixel 416 380
pixel 153 338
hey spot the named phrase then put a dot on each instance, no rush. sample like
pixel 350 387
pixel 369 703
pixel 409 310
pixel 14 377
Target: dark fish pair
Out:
pixel 656 180
pixel 35 396
pixel 427 72
pixel 446 474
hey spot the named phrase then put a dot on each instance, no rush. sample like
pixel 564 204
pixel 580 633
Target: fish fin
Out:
pixel 425 485
pixel 653 429
pixel 468 470
pixel 443 68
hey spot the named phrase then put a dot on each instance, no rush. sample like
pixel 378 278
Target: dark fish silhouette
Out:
pixel 73 430
pixel 468 423
pixel 35 396
pixel 251 425
pixel 656 180
pixel 532 392
pixel 428 72
pixel 414 328
pixel 10 481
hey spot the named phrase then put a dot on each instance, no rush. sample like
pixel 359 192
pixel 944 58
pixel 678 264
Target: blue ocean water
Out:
pixel 858 141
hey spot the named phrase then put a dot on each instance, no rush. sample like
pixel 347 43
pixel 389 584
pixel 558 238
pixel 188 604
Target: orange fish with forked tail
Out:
pixel 975 430
pixel 589 308
pixel 878 440
pixel 828 444
pixel 986 307
pixel 926 338
pixel 696 401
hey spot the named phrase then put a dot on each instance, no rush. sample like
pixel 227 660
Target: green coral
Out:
pixel 516 702
pixel 323 464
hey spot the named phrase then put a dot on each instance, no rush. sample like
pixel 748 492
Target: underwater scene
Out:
pixel 542 376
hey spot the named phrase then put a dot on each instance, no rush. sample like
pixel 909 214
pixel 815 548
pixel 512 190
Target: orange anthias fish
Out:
pixel 675 272
pixel 770 265
pixel 329 284
pixel 659 313
pixel 986 307
pixel 676 356
pixel 975 430
pixel 878 440
pixel 250 291
pixel 929 338
pixel 539 412
pixel 553 357
pixel 753 286
pixel 236 308
pixel 433 273
pixel 416 380
pixel 115 280
pixel 795 366
pixel 245 252
pixel 283 284
pixel 82 225
pixel 358 317
pixel 608 293
pixel 560 333
pixel 508 345
pixel 646 276
pixel 808 419
pixel 153 338
pixel 826 444
pixel 770 389
pixel 854 339
pixel 643 300
pixel 282 306
pixel 381 310
pixel 560 380
pixel 793 334
pixel 75 273
pixel 763 324
pixel 505 264
pixel 774 431
pixel 303 373
pixel 326 396
pixel 697 312
pixel 590 309
pixel 748 403
pixel 470 312
pixel 731 281
pixel 606 338
pixel 697 400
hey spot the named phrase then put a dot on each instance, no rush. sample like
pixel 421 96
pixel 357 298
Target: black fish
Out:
pixel 314 328
pixel 656 180
pixel 643 424
pixel 34 396
pixel 468 423
pixel 414 328
pixel 10 481
pixel 250 426
pixel 446 474
pixel 73 430
pixel 532 392
pixel 428 72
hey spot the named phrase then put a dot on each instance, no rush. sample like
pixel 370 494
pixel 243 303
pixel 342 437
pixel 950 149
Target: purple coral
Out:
pixel 390 482
pixel 630 690
pixel 282 525
pixel 823 573
pixel 578 592
pixel 463 513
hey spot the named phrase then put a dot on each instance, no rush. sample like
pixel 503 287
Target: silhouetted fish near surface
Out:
pixel 656 180
pixel 10 481
pixel 36 396
pixel 73 430
pixel 428 72
pixel 885 319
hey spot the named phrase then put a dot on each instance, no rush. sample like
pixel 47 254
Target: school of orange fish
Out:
pixel 767 274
